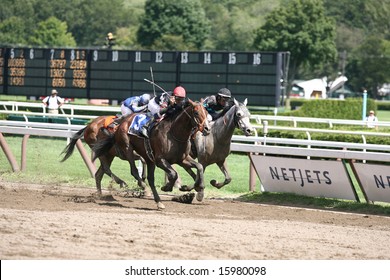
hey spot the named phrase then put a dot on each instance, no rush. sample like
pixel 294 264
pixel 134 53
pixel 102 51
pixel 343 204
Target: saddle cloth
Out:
pixel 138 122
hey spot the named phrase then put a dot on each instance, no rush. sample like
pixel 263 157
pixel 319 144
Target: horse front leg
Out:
pixel 171 175
pixel 151 169
pixel 222 166
pixel 187 164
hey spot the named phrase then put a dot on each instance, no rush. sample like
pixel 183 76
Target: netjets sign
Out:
pixel 318 178
pixel 374 180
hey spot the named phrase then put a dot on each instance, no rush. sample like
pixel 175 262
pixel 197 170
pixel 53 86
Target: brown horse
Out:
pixel 169 144
pixel 91 133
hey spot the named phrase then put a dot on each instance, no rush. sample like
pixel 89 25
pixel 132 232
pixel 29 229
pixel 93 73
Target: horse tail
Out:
pixel 103 146
pixel 70 147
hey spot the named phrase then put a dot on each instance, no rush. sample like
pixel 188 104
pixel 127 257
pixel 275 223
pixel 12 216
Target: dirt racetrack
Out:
pixel 49 222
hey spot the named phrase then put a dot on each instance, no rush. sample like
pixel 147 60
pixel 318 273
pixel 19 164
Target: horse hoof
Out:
pixel 160 206
pixel 185 188
pixel 215 184
pixel 199 196
pixel 147 193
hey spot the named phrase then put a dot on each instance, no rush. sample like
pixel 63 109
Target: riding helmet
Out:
pixel 224 92
pixel 145 98
pixel 179 92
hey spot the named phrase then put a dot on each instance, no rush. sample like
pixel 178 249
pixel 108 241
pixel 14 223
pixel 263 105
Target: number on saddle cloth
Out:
pixel 138 122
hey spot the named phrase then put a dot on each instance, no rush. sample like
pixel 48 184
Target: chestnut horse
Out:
pixel 215 147
pixel 91 133
pixel 169 143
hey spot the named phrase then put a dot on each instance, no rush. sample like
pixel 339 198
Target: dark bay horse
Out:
pixel 91 133
pixel 169 143
pixel 215 147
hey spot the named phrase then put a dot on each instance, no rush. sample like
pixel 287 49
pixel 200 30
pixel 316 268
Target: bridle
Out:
pixel 195 120
pixel 239 123
pixel 197 125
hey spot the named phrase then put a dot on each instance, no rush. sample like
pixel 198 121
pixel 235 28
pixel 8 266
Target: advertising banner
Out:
pixel 317 178
pixel 375 180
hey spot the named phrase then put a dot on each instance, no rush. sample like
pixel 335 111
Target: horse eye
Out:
pixel 239 114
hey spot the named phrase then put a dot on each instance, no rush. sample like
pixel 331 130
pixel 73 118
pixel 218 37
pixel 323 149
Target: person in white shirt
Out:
pixel 372 120
pixel 53 102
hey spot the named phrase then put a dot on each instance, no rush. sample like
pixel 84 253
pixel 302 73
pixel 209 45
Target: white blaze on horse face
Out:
pixel 244 122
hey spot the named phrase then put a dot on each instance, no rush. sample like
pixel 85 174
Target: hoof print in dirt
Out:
pixel 185 198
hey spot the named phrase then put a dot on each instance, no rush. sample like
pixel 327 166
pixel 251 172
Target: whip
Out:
pixel 154 84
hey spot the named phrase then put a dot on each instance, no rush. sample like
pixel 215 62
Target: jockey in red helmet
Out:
pixel 179 94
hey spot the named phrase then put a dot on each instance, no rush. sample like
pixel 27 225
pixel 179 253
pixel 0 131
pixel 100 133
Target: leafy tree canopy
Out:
pixel 12 31
pixel 302 28
pixel 369 67
pixel 184 18
pixel 52 32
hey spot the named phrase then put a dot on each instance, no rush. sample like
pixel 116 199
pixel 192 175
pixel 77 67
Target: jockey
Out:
pixel 135 104
pixel 159 102
pixel 217 105
pixel 178 101
pixel 167 106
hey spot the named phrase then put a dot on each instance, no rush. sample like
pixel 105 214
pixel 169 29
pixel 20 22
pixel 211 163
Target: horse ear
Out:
pixel 245 101
pixel 236 102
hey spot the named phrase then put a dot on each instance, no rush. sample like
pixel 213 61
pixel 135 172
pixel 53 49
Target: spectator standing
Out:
pixel 372 120
pixel 53 102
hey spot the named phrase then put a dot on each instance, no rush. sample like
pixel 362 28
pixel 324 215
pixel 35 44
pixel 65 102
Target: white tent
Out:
pixel 315 88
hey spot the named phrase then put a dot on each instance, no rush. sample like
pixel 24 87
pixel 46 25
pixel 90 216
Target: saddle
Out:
pixel 110 125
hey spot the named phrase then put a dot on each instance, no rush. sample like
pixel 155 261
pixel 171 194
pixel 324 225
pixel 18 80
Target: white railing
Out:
pixel 259 119
pixel 310 148
pixel 15 106
pixel 297 120
pixel 250 144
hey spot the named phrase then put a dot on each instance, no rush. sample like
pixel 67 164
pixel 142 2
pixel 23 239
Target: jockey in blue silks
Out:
pixel 158 106
pixel 135 104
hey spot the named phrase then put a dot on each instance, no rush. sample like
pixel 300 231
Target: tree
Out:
pixel 89 21
pixel 301 28
pixel 184 18
pixel 12 31
pixel 233 23
pixel 52 32
pixel 372 16
pixel 369 66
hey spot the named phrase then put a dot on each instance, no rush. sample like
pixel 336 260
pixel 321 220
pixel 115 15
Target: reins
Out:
pixel 194 123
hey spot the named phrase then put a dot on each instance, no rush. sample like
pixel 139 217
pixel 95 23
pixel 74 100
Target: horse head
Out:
pixel 242 117
pixel 199 116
